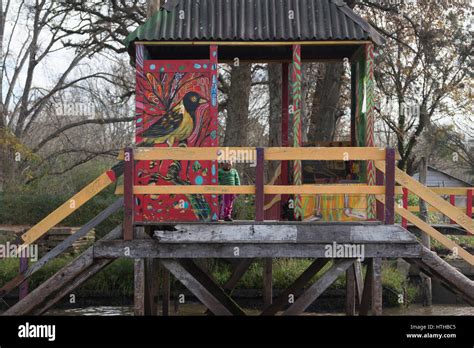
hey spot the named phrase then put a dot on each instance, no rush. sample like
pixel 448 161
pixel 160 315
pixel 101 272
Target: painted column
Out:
pixel 369 132
pixel 297 135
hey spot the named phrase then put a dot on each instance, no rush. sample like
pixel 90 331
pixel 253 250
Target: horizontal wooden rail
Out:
pixel 416 208
pixel 250 190
pixel 268 189
pixel 456 191
pixel 246 154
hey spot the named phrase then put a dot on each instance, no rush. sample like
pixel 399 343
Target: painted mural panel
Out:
pixel 174 108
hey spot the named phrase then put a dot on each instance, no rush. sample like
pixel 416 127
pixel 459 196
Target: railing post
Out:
pixel 469 203
pixel 128 181
pixel 405 206
pixel 259 186
pixel 380 207
pixel 452 200
pixel 389 187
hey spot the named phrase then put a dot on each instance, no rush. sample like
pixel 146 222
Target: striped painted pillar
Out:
pixel 369 83
pixel 297 136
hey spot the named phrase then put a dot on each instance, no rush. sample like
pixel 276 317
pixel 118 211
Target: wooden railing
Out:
pixel 385 183
pixel 452 192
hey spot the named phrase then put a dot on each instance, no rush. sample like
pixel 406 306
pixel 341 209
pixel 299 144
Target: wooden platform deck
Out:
pixel 245 239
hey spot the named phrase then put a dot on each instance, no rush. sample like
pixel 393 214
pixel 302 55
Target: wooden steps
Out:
pixel 41 299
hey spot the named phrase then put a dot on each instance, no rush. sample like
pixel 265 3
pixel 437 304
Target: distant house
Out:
pixel 438 178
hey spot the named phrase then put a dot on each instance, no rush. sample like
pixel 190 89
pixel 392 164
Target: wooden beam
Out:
pixel 267 282
pixel 68 287
pixel 433 233
pixel 66 209
pixel 432 198
pixel 237 274
pixel 166 292
pixel 103 215
pixel 190 282
pixel 323 233
pixel 372 295
pixel 139 287
pixel 211 285
pixel 271 153
pixel 259 186
pixel 433 265
pixel 377 286
pixel 152 285
pixel 340 189
pixel 296 288
pixel 156 249
pixel 359 278
pixel 350 291
pixel 66 278
pixel 315 290
pixel 366 302
pixel 254 43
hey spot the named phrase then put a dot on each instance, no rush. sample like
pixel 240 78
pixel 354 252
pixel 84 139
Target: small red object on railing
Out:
pixel 452 200
pixel 469 203
pixel 405 206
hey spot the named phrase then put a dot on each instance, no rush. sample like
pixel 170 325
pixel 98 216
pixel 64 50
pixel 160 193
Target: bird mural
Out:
pixel 178 124
pixel 175 113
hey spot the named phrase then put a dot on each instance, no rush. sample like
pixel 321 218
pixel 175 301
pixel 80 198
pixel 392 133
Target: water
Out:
pixel 198 309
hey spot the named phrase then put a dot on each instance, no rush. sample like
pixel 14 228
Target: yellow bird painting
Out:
pixel 177 124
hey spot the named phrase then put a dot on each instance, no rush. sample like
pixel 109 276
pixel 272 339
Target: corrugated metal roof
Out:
pixel 255 20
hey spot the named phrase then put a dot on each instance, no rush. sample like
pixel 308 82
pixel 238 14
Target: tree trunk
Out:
pixel 238 106
pixel 274 119
pixel 425 239
pixel 325 102
pixel 153 6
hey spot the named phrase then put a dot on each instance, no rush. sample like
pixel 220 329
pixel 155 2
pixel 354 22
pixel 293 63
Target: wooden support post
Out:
pixel 351 291
pixel 359 279
pixel 377 287
pixel 367 293
pixel 139 287
pixel 390 187
pixel 259 216
pixel 152 285
pixel 166 290
pixel 380 207
pixel 284 126
pixel 370 119
pixel 469 203
pixel 128 181
pixel 259 186
pixel 452 200
pixel 267 282
pixel 23 290
pixel 372 295
pixel 296 81
pixel 315 290
pixel 405 206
